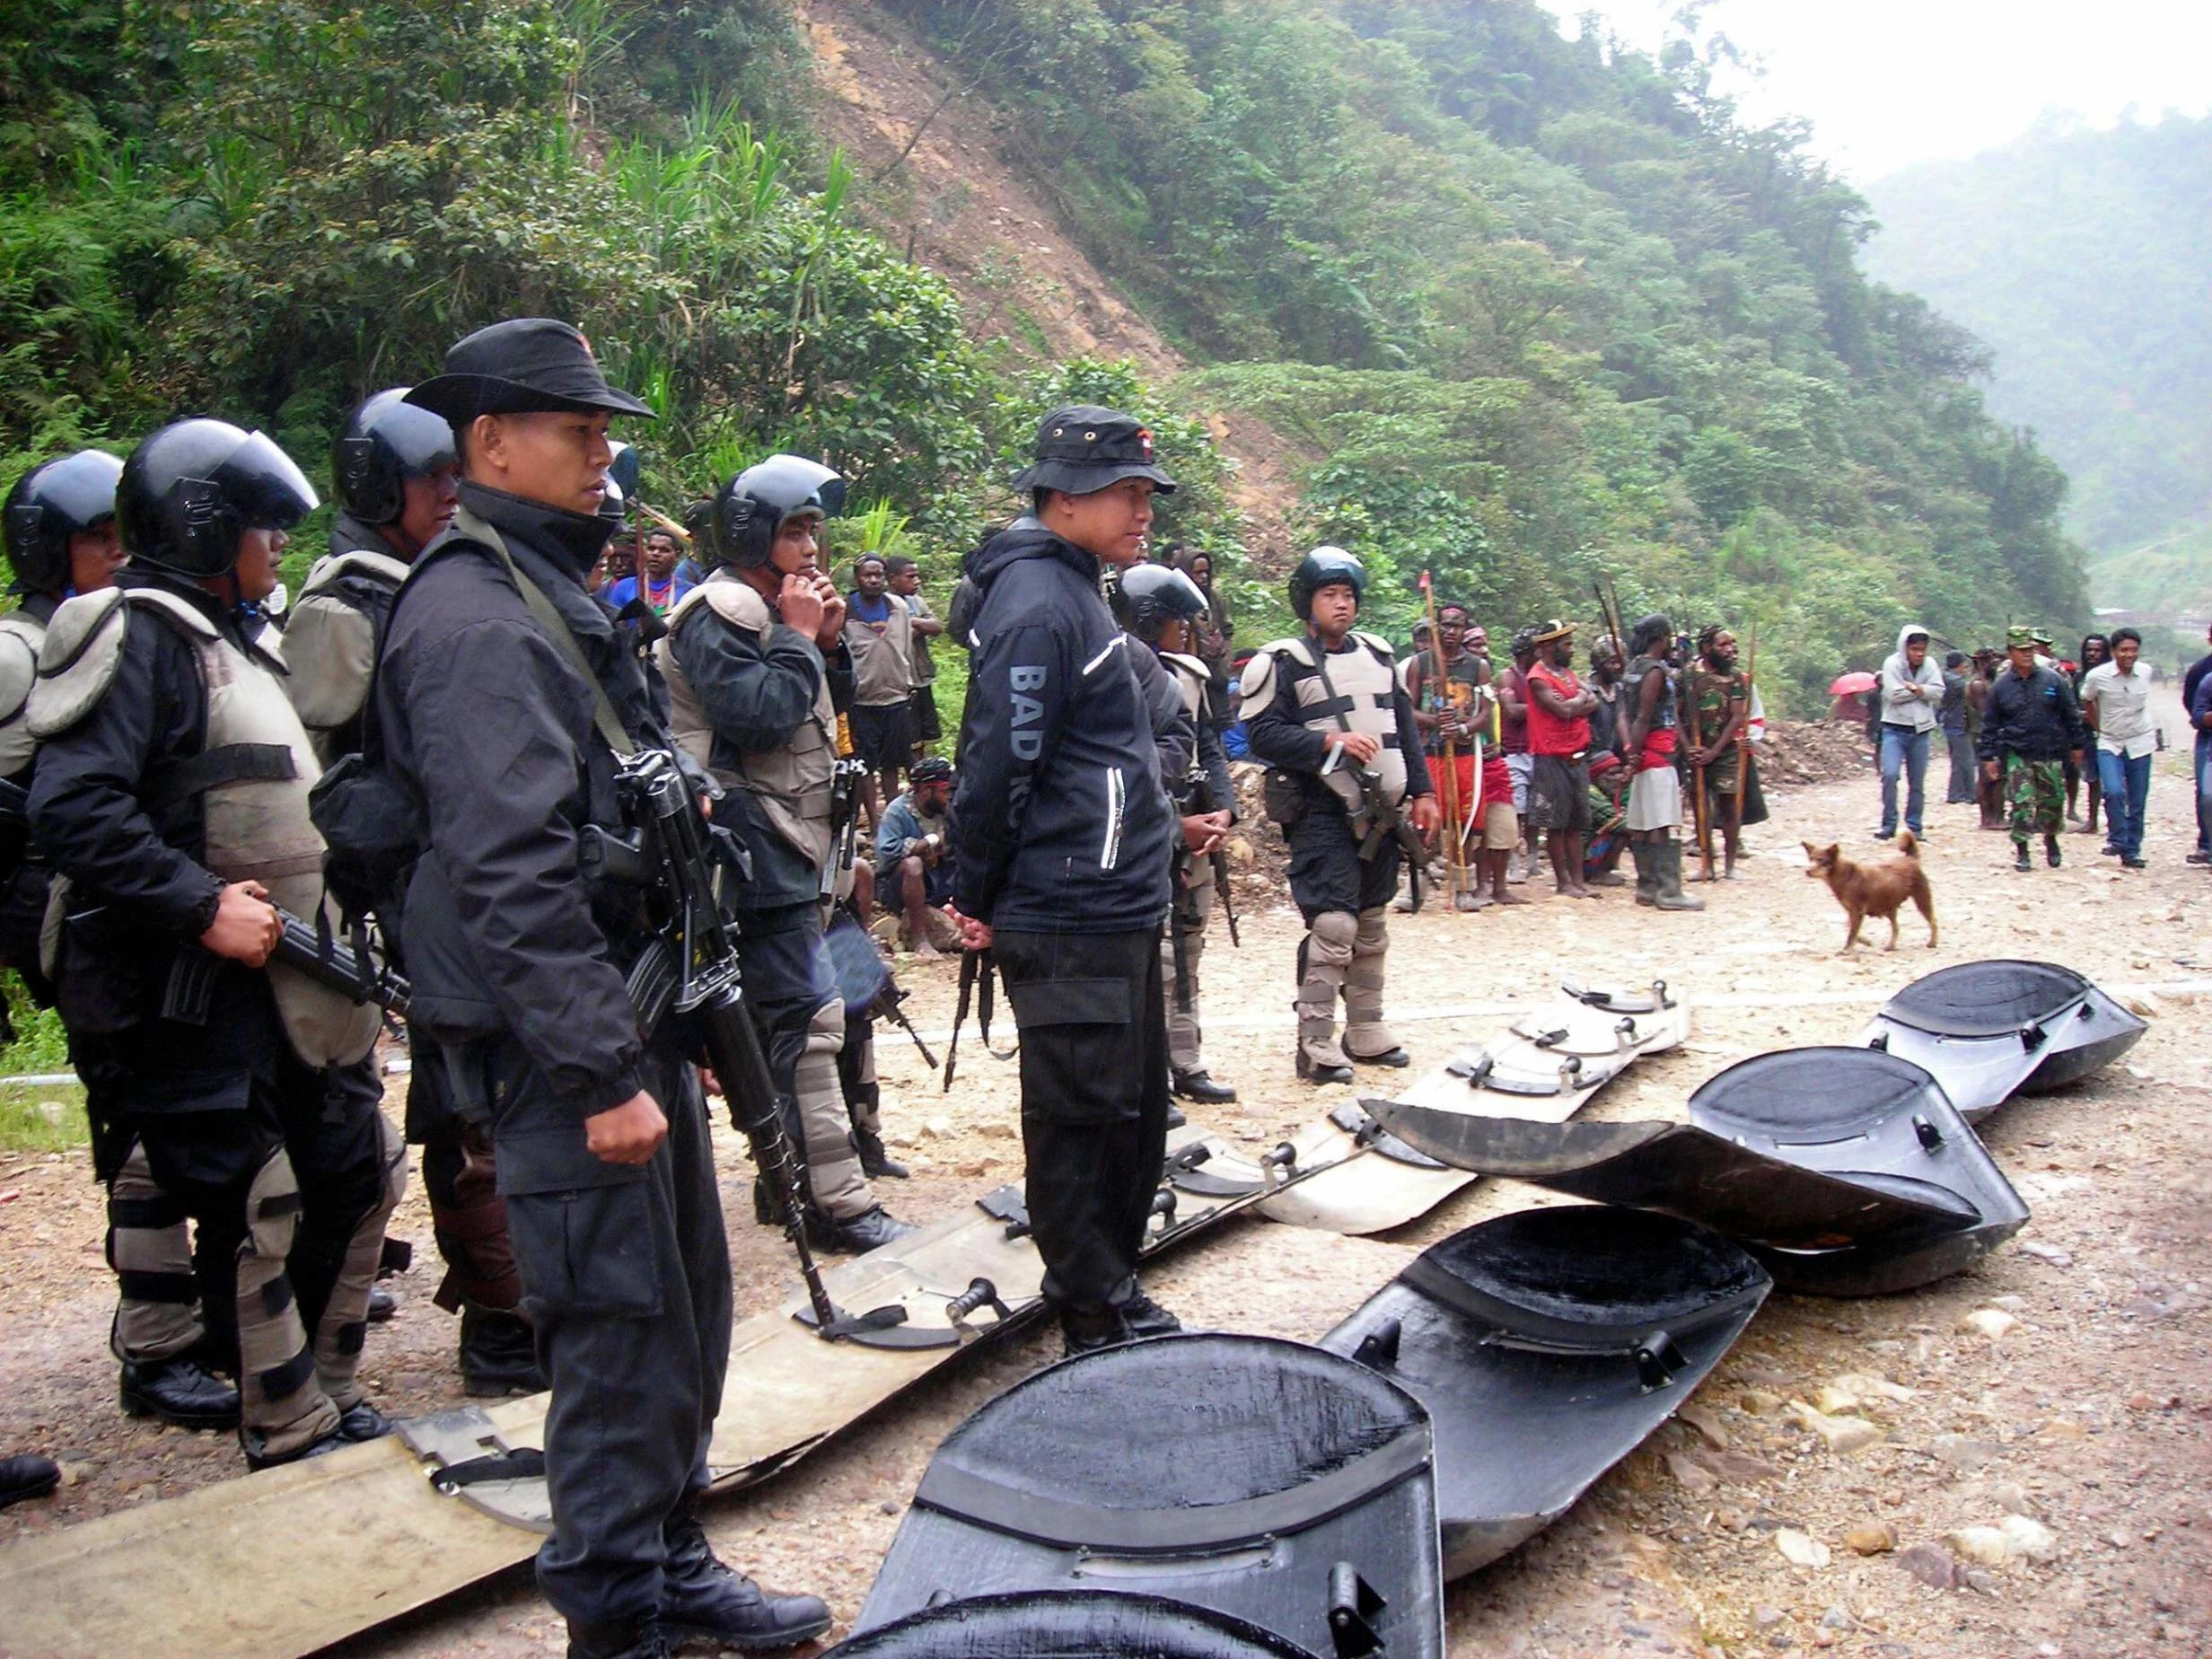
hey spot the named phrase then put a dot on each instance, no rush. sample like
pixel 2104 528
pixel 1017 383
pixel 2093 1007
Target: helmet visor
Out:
pixel 265 486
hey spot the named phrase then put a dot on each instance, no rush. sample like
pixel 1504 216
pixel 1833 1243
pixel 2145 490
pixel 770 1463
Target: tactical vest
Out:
pixel 1366 684
pixel 1665 716
pixel 21 637
pixel 252 775
pixel 331 639
pixel 1191 678
pixel 791 786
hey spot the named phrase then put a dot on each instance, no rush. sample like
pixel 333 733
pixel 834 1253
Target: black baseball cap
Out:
pixel 1082 449
pixel 521 366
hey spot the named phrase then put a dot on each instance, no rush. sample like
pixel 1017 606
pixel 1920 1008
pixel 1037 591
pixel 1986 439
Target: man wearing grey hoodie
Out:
pixel 1911 695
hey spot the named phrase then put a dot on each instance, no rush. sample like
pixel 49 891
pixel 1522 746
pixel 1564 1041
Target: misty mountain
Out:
pixel 2084 260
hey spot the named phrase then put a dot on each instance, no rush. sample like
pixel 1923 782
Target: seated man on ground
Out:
pixel 913 875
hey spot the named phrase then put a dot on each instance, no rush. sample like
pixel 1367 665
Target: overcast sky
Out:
pixel 1889 82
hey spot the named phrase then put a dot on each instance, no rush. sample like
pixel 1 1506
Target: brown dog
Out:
pixel 1875 890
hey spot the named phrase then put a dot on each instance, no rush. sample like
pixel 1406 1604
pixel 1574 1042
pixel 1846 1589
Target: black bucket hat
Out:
pixel 1082 449
pixel 521 366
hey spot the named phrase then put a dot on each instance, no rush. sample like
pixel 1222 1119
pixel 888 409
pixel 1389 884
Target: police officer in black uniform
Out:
pixel 1063 838
pixel 757 669
pixel 62 540
pixel 1325 708
pixel 500 679
pixel 171 795
pixel 395 474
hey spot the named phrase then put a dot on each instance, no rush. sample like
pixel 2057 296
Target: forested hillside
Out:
pixel 2084 259
pixel 1518 309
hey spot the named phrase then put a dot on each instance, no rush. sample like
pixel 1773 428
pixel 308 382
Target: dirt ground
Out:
pixel 2089 1416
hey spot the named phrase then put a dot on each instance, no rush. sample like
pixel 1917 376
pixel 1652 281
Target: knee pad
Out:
pixel 273 1208
pixel 1330 938
pixel 825 1028
pixel 1373 935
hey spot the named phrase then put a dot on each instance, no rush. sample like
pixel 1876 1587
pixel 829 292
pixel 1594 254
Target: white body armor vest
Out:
pixel 330 644
pixel 1367 681
pixel 21 638
pixel 257 826
pixel 791 785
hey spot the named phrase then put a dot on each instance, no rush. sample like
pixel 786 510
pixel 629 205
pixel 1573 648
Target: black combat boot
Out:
pixel 27 1477
pixel 178 1391
pixel 1087 1333
pixel 258 1457
pixel 1197 1085
pixel 383 1305
pixel 498 1354
pixel 1317 1072
pixel 2053 855
pixel 855 1235
pixel 362 1421
pixel 620 1638
pixel 1146 1317
pixel 876 1164
pixel 701 1597
pixel 1396 1058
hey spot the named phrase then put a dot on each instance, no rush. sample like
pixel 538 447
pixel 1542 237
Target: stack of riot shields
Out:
pixel 1848 1171
pixel 1248 1478
pixel 1990 1031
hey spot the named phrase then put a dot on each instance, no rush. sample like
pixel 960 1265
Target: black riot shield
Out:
pixel 1546 1345
pixel 1063 1624
pixel 1988 1031
pixel 1257 1478
pixel 1847 1171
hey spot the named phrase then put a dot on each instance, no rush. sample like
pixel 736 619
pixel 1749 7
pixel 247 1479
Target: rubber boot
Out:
pixel 498 1354
pixel 1646 871
pixel 1671 895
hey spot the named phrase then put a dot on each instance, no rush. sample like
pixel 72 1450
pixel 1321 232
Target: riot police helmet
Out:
pixel 385 442
pixel 1325 566
pixel 759 501
pixel 50 504
pixel 189 492
pixel 1149 596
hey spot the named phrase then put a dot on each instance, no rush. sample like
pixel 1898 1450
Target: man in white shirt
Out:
pixel 2116 701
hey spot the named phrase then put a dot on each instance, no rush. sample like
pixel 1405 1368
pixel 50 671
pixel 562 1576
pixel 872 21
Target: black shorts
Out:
pixel 884 736
pixel 1560 793
pixel 936 886
pixel 927 727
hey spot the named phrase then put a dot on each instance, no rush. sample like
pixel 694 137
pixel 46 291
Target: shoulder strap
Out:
pixel 542 611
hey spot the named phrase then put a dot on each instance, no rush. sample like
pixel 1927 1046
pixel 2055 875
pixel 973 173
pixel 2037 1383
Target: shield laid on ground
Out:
pixel 1062 1624
pixel 1845 1170
pixel 1545 1063
pixel 1988 1031
pixel 1257 1478
pixel 1547 1345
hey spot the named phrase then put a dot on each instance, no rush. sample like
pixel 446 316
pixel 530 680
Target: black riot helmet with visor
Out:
pixel 759 501
pixel 1147 597
pixel 385 442
pixel 192 490
pixel 50 504
pixel 1325 566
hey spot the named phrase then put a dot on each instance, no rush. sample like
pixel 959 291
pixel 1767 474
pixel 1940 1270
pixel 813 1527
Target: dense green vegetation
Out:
pixel 1539 307
pixel 1536 309
pixel 2080 257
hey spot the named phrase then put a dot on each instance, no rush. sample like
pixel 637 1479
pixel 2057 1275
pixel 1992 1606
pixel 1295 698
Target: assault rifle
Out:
pixel 690 968
pixel 1200 792
pixel 845 783
pixel 322 957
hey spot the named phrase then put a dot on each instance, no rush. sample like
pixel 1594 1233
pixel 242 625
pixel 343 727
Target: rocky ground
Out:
pixel 2012 1463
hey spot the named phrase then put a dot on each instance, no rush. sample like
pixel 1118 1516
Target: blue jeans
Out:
pixel 2126 780
pixel 1903 750
pixel 2204 792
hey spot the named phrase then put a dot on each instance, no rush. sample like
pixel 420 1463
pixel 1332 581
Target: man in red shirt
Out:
pixel 1559 728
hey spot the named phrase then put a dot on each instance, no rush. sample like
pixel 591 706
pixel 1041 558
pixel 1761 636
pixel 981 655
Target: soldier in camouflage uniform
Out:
pixel 2030 727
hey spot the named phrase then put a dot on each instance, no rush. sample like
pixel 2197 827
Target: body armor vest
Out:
pixel 330 641
pixel 20 636
pixel 1191 678
pixel 791 786
pixel 1365 680
pixel 259 766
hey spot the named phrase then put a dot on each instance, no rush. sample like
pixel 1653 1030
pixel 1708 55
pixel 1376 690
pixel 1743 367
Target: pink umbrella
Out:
pixel 1852 684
